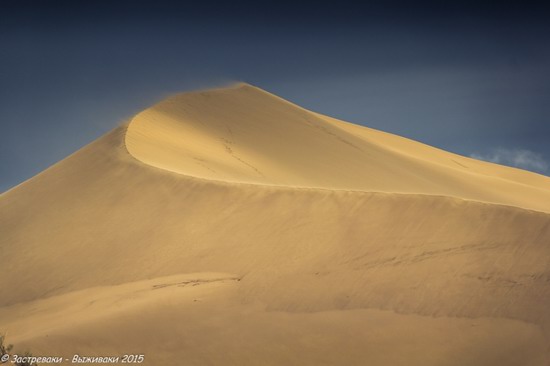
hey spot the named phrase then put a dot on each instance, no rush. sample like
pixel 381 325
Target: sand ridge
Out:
pixel 244 134
pixel 106 254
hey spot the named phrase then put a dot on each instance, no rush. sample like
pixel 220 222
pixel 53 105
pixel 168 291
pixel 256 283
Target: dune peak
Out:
pixel 243 134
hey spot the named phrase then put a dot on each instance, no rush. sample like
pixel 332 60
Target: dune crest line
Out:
pixel 242 134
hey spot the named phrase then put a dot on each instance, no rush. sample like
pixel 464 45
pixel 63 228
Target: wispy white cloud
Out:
pixel 519 158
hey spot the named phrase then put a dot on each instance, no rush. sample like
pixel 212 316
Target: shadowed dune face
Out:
pixel 108 255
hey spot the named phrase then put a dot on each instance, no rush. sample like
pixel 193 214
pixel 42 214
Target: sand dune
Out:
pixel 244 134
pixel 344 245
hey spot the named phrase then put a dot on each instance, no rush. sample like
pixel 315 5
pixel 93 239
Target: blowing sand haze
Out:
pixel 232 227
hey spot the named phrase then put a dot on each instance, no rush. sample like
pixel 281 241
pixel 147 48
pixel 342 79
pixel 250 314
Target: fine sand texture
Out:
pixel 231 227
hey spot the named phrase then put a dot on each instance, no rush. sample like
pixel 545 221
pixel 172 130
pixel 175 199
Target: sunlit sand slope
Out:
pixel 244 134
pixel 106 254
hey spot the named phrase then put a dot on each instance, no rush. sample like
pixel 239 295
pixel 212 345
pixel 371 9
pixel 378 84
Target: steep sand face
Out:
pixel 244 134
pixel 106 255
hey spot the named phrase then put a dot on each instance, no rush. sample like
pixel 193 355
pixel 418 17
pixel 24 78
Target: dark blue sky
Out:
pixel 469 77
